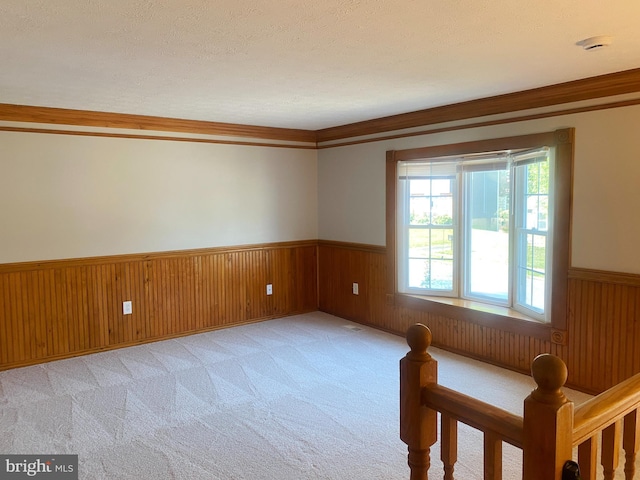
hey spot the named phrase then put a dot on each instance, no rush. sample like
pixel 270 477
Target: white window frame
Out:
pixel 503 318
pixel 458 171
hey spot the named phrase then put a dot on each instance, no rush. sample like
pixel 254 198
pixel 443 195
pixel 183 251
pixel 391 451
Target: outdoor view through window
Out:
pixel 477 227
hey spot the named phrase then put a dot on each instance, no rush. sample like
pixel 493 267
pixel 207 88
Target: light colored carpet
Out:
pixel 303 397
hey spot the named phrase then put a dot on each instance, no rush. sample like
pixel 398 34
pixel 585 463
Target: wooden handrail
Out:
pixel 547 432
pixel 607 408
pixel 475 413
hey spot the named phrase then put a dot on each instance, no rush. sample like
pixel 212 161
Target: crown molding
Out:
pixel 86 118
pixel 612 84
pixel 619 83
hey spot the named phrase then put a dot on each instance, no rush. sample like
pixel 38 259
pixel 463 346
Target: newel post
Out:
pixel 548 421
pixel 418 427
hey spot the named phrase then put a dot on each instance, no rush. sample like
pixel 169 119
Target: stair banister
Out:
pixel 418 427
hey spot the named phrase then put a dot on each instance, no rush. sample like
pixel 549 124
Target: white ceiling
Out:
pixel 300 64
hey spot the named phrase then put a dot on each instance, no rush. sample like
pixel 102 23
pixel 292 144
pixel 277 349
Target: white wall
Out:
pixel 67 196
pixel 606 191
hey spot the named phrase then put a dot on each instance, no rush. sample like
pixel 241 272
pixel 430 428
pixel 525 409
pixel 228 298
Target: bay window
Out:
pixel 484 222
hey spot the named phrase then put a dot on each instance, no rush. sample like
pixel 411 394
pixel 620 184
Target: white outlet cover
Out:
pixel 355 289
pixel 269 289
pixel 126 308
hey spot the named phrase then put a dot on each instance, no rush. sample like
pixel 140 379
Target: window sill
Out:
pixel 492 316
pixel 482 307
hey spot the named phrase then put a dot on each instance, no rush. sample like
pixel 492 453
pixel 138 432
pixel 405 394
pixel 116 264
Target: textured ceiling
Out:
pixel 299 64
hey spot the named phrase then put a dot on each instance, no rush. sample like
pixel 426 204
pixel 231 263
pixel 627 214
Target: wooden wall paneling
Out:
pixel 603 324
pixel 308 278
pixel 179 290
pixel 159 319
pixel 60 326
pixel 614 345
pixel 15 318
pixel 581 345
pixel 185 287
pixel 600 330
pixel 203 292
pixel 59 308
pixel 222 281
pixel 234 293
pixel 195 287
pixel 80 296
pixel 169 315
pixel 254 282
pixel 48 309
pixel 235 288
pixel 110 298
pixel 173 272
pixel 139 301
pixel 148 294
pixel 100 327
pixel 284 268
pixel 9 342
pixel 240 277
pixel 280 269
pixel 23 326
pixel 273 268
pixel 623 313
pixel 574 334
pixel 120 323
pixel 198 297
pixel 606 333
pixel 38 331
pixel 31 323
pixel 6 350
pixel 242 281
pixel 75 296
pixel 218 266
pixel 172 276
pixel 66 309
pixel 633 328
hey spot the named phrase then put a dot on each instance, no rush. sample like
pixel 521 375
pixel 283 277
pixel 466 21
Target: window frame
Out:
pixel 499 317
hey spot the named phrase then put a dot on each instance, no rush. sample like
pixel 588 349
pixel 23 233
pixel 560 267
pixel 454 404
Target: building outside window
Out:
pixel 478 227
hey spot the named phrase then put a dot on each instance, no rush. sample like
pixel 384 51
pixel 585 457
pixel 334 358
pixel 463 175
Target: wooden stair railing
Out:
pixel 547 433
pixel 615 414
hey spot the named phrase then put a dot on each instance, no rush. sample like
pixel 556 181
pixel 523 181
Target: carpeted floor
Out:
pixel 305 397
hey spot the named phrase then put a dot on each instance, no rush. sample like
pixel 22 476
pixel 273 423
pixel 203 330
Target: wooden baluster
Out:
pixel 588 458
pixel 448 444
pixel 631 443
pixel 418 428
pixel 492 456
pixel 548 421
pixel 611 449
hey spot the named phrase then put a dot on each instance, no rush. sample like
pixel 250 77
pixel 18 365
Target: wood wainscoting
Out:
pixel 601 345
pixel 62 308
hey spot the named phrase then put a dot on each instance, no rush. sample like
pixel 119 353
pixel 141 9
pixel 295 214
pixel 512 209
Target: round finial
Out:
pixel 549 372
pixel 419 338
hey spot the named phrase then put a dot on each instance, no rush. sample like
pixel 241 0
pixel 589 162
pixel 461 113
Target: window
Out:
pixel 484 222
pixel 476 227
